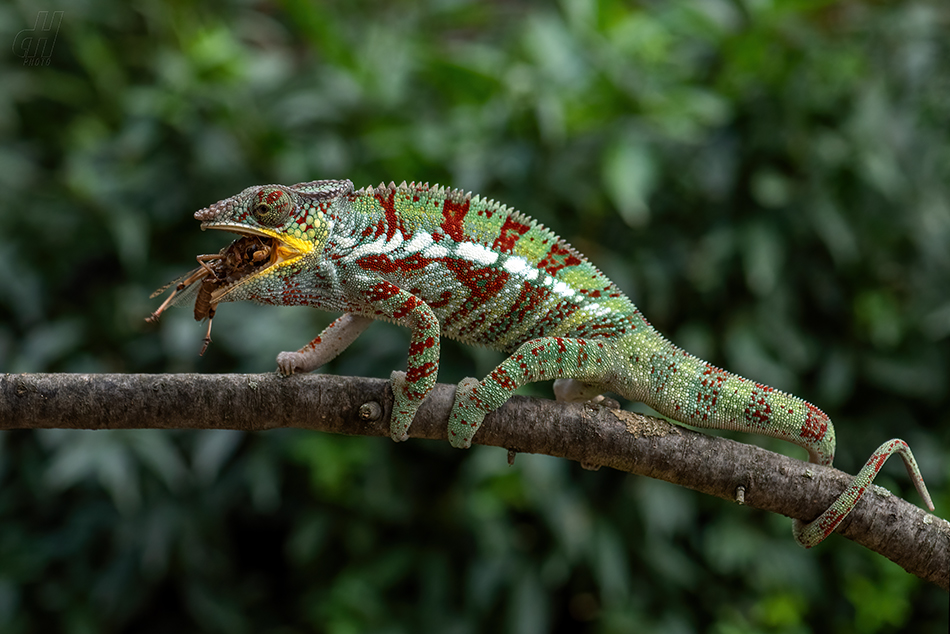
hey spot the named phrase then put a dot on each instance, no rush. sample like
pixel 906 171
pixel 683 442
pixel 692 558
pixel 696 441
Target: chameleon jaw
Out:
pixel 285 250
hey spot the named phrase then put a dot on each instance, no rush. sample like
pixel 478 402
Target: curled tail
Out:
pixel 692 391
pixel 812 533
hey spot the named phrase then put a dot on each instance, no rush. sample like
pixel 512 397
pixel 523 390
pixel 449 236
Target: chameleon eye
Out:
pixel 271 206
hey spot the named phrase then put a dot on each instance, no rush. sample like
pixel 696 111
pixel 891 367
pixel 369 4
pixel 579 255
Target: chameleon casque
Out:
pixel 444 263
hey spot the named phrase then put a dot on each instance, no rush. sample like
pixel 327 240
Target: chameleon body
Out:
pixel 447 264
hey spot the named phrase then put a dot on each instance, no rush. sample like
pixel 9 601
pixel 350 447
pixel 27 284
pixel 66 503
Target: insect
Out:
pixel 216 273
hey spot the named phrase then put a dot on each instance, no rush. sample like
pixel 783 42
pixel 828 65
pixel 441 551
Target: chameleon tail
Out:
pixel 811 533
pixel 694 392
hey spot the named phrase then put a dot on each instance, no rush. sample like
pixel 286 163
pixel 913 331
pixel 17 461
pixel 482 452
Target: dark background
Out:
pixel 766 180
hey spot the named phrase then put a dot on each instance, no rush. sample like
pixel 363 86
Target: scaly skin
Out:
pixel 447 264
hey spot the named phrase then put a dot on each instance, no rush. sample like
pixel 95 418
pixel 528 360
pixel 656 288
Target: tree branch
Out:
pixel 595 436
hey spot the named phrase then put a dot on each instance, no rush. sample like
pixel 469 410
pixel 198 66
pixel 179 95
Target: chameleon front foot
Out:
pixel 325 347
pixel 290 362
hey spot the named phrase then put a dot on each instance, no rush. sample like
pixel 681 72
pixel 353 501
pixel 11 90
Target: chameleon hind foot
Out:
pixel 404 406
pixel 574 391
pixel 468 412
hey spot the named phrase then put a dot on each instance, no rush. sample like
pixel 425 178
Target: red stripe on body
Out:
pixel 453 215
pixel 444 299
pixel 385 264
pixel 483 283
pixel 381 292
pixel 557 258
pixel 379 263
pixel 389 209
pixel 510 231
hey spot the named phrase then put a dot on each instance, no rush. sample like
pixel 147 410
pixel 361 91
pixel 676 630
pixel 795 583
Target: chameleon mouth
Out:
pixel 253 254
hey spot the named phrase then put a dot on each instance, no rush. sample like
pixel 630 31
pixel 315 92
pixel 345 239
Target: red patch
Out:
pixel 503 379
pixel 816 423
pixel 389 209
pixel 831 523
pixel 418 347
pixel 413 262
pixel 384 264
pixel 453 214
pixel 511 230
pixel 483 283
pixel 557 258
pixel 373 231
pixel 272 197
pixel 415 373
pixel 408 306
pixel 444 299
pixel 381 292
pixel 379 263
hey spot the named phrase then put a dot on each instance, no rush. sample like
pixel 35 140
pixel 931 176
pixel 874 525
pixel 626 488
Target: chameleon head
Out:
pixel 289 219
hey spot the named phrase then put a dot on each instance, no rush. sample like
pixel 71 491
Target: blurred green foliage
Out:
pixel 767 179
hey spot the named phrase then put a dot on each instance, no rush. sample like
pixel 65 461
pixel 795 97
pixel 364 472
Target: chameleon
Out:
pixel 445 263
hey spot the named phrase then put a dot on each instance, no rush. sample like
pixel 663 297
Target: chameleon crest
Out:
pixel 444 263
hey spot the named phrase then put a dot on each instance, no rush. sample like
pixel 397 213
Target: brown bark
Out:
pixel 592 435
